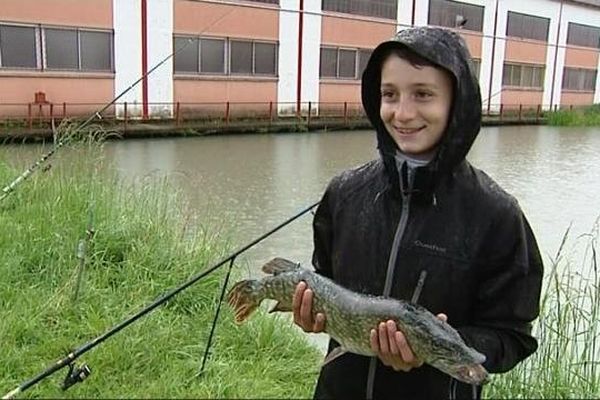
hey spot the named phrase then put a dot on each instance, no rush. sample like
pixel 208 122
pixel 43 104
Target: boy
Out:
pixel 421 223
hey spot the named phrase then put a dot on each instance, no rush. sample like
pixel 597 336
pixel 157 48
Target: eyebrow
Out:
pixel 418 85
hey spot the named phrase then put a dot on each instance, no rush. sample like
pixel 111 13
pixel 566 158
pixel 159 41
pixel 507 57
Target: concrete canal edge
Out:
pixel 168 128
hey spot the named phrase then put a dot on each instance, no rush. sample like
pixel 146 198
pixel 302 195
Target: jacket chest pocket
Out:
pixel 445 283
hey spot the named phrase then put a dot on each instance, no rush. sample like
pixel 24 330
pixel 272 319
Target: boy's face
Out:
pixel 415 105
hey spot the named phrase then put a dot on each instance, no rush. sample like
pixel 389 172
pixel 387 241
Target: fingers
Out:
pixel 384 343
pixel 404 349
pixel 443 317
pixel 392 331
pixel 319 325
pixel 297 302
pixel 302 309
pixel 392 348
pixel 306 309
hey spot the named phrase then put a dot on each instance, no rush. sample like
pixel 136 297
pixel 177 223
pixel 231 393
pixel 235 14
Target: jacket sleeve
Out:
pixel 507 298
pixel 323 233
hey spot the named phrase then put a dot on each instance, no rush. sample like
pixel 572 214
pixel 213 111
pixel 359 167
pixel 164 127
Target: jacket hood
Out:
pixel 448 50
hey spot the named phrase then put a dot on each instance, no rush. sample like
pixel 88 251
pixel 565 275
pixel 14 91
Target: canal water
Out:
pixel 244 185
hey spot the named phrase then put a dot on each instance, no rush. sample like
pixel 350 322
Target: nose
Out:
pixel 405 109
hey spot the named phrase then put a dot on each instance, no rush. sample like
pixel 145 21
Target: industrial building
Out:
pixel 287 53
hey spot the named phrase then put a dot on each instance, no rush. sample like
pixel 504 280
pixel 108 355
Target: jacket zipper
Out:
pixel 389 276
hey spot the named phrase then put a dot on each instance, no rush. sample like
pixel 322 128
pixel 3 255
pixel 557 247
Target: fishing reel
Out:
pixel 75 375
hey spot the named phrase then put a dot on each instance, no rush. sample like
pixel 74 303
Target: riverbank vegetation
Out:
pixel 584 116
pixel 567 362
pixel 143 244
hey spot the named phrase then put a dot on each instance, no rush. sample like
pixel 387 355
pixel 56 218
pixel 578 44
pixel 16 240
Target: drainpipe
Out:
pixel 556 55
pixel 144 59
pixel 300 35
pixel 489 99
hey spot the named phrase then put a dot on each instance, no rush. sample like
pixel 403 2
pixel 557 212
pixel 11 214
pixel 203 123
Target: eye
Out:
pixel 423 94
pixel 387 95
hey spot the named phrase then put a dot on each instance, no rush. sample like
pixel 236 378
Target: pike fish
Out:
pixel 351 316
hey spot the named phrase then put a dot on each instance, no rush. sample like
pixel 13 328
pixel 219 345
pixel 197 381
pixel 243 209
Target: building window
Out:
pixel 527 26
pixel 212 56
pixel 328 63
pixel 76 49
pixel 476 67
pixel 370 8
pixel 96 50
pixel 18 47
pixel 241 57
pixel 521 75
pixel 265 58
pixel 363 59
pixel 579 79
pixel 343 63
pixel 221 56
pixel 186 55
pixel 347 64
pixel 455 14
pixel 62 50
pixel 583 35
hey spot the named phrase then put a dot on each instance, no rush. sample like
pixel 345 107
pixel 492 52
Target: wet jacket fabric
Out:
pixel 455 229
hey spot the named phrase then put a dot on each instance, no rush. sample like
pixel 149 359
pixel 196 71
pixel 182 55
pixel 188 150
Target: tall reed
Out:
pixel 566 362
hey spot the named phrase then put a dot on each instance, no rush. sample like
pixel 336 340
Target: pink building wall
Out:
pixel 568 98
pixel 581 57
pixel 71 87
pixel 82 13
pixel 514 97
pixel 473 40
pixel 354 34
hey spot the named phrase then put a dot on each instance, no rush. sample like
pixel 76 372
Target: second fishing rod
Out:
pixel 78 374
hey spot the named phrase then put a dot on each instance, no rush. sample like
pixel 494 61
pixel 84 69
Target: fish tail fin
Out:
pixel 244 297
pixel 279 265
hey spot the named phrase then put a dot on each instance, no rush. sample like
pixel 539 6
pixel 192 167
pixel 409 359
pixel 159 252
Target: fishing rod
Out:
pixel 79 374
pixel 10 188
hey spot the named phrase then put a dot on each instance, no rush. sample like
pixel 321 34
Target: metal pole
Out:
pixel 489 102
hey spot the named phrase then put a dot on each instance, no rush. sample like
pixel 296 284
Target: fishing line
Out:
pixel 78 374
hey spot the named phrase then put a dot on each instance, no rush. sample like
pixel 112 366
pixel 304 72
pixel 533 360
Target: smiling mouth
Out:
pixel 409 131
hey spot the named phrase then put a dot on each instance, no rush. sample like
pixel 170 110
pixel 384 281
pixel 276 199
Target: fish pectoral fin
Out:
pixel 280 307
pixel 335 353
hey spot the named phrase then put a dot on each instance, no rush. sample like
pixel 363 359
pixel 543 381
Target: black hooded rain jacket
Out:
pixel 455 227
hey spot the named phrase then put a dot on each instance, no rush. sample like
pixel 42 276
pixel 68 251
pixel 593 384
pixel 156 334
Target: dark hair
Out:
pixel 410 56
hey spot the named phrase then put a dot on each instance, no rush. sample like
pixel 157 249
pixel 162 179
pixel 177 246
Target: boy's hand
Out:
pixel 391 346
pixel 302 308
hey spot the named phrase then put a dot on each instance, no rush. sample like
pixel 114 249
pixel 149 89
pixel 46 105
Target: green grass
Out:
pixel 143 246
pixel 587 116
pixel 566 364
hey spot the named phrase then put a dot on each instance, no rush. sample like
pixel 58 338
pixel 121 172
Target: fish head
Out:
pixel 471 373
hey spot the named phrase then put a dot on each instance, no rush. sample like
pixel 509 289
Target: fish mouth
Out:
pixel 474 374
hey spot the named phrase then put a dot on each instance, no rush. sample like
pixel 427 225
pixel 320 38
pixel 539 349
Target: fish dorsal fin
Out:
pixel 279 265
